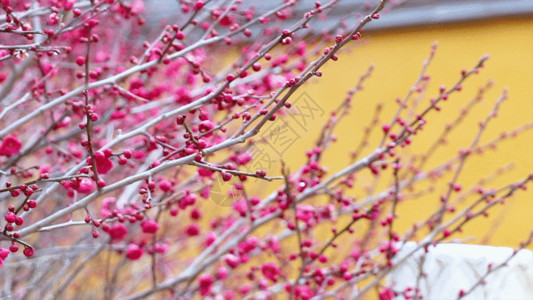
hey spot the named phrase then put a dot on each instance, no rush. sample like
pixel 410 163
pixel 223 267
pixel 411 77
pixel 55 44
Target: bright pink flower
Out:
pixel 187 200
pixel 193 230
pixel 86 186
pixel 206 126
pixel 118 114
pixel 134 252
pixel 232 261
pixel 4 253
pixel 241 207
pixel 80 60
pixel 306 213
pixel 243 158
pixel 222 273
pixel 245 288
pixel 161 248
pixel 270 271
pixel 11 217
pixel 10 146
pixel 118 232
pixel 205 281
pixel 13 248
pixel 139 155
pixel 273 244
pixel 103 163
pixel 44 168
pixel 183 95
pixel 203 172
pixel 386 294
pixel 150 226
pixel 68 4
pixel 28 251
pixel 165 185
pixel 305 292
pixel 227 20
pixel 210 238
pixel 205 192
pixel 249 244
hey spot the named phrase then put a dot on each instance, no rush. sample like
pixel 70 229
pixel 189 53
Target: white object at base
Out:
pixel 450 268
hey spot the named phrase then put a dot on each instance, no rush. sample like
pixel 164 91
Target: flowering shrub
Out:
pixel 112 140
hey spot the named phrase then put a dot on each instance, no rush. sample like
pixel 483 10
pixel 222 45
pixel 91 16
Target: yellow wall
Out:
pixel 398 56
